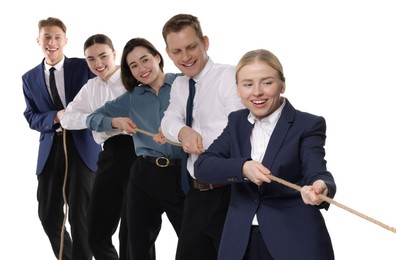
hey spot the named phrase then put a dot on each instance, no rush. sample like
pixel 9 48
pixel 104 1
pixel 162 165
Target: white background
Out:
pixel 339 62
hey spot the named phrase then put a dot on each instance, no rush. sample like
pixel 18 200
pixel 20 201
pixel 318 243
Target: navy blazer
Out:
pixel 295 153
pixel 40 110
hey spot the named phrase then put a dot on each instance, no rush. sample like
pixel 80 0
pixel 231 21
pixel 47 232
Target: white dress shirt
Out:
pixel 92 96
pixel 215 97
pixel 261 135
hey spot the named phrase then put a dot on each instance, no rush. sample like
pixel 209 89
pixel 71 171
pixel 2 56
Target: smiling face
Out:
pixel 52 39
pixel 260 88
pixel 101 60
pixel 144 66
pixel 187 51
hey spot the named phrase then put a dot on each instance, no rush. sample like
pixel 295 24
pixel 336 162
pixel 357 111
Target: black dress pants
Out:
pixel 108 196
pixel 204 216
pixel 256 249
pixel 152 190
pixel 50 199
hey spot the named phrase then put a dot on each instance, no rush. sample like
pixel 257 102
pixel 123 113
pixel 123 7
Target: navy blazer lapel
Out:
pixel 278 136
pixel 42 85
pixel 67 78
pixel 245 131
pixel 244 134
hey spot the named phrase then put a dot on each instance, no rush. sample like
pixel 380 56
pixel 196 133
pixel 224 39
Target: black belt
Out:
pixel 205 186
pixel 163 161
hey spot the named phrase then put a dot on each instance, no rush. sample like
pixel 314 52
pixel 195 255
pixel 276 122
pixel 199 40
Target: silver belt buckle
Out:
pixel 157 162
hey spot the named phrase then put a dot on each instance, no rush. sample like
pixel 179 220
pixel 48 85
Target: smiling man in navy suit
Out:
pixel 268 220
pixel 44 106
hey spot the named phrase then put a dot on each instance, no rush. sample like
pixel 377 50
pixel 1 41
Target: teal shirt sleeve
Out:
pixel 100 119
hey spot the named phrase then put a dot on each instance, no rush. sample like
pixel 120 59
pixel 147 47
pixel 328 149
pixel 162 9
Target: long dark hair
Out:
pixel 129 81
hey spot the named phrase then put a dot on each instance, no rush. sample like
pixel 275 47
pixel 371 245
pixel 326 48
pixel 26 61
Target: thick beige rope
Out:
pixel 331 201
pixel 62 238
pixel 298 188
pixel 152 135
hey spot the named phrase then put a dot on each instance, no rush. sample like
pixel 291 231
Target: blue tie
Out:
pixel 189 108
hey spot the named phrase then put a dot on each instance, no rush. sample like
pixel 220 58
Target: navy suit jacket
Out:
pixel 40 110
pixel 295 153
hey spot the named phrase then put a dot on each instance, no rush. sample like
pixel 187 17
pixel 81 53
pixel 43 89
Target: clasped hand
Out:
pixel 124 124
pixel 191 141
pixel 309 193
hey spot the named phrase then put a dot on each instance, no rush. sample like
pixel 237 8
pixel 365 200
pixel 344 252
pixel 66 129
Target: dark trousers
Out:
pixel 204 216
pixel 50 199
pixel 256 249
pixel 152 190
pixel 106 207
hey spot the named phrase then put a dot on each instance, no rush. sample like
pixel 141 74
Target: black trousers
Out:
pixel 106 207
pixel 204 216
pixel 152 190
pixel 50 199
pixel 256 249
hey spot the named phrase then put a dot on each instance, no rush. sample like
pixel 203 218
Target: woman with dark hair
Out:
pixel 114 162
pixel 154 185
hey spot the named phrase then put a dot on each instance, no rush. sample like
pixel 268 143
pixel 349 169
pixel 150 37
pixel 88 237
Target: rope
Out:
pixel 152 135
pixel 62 238
pixel 331 201
pixel 322 197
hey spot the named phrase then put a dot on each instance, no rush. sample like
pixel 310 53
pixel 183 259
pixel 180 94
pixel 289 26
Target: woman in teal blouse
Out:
pixel 154 186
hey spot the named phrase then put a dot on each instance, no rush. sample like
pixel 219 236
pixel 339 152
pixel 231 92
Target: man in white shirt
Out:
pixel 206 204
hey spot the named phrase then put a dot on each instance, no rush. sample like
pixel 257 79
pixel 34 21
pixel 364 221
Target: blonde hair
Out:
pixel 260 55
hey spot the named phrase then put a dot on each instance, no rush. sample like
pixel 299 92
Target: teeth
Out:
pixel 258 101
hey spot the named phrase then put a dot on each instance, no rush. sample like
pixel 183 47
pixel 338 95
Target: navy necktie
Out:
pixel 190 102
pixel 54 90
pixel 189 109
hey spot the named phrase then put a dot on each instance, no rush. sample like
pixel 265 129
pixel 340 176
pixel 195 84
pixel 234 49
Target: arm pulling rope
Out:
pixel 298 188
